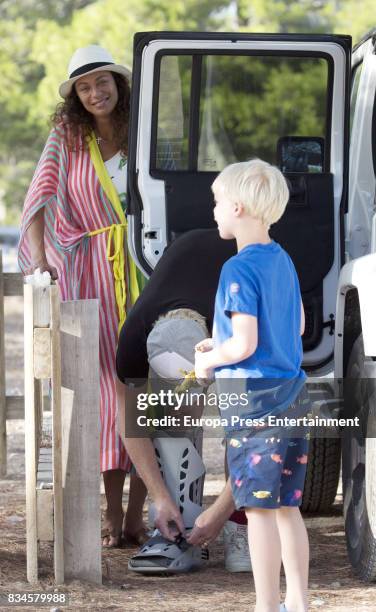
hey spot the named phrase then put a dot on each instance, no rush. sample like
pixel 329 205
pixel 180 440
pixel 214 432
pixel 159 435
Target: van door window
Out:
pixel 248 103
pixel 173 113
pixel 216 109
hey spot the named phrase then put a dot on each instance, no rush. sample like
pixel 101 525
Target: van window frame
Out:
pixel 193 131
pixel 355 70
pixel 373 136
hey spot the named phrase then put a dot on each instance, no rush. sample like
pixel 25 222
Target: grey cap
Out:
pixel 171 346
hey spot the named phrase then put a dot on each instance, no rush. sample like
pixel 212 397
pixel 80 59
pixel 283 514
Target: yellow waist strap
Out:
pixel 116 239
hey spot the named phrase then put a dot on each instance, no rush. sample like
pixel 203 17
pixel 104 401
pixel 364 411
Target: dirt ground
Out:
pixel 332 584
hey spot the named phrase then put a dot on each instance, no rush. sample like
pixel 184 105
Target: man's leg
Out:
pixel 235 540
pixel 180 462
pixel 142 453
pixel 171 347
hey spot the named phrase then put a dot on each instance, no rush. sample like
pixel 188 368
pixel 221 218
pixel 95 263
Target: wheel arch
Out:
pixel 355 311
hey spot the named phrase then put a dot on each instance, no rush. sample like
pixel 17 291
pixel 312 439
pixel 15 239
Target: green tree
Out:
pixel 32 10
pixel 38 37
pixel 283 15
pixel 355 18
pixel 21 136
pixel 107 23
pixel 44 35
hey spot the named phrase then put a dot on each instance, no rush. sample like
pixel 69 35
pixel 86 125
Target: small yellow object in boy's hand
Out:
pixel 188 382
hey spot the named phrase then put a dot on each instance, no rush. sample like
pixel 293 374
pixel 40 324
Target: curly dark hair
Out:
pixel 78 122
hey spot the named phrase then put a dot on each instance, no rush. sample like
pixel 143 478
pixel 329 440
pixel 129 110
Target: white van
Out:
pixel 305 103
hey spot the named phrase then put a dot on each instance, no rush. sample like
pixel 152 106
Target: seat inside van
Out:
pixel 306 230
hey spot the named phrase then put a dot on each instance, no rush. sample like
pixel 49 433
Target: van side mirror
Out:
pixel 300 154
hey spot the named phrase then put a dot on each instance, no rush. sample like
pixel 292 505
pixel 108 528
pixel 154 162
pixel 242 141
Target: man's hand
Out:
pixel 206 528
pixel 210 522
pixel 168 519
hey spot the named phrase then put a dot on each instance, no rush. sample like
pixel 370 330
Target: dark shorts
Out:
pixel 267 472
pixel 267 464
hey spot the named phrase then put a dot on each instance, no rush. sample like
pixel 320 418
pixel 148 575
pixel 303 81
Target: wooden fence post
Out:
pixel 30 440
pixel 57 435
pixel 81 439
pixel 3 405
pixel 63 482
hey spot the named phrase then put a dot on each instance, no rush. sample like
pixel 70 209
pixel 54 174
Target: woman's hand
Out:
pixel 43 266
pixel 35 237
pixel 205 345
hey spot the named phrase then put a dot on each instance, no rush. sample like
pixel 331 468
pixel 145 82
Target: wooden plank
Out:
pixel 57 436
pixel 44 474
pixel 45 513
pixel 44 459
pixel 42 352
pixel 45 451
pixel 42 306
pixel 13 283
pixel 16 406
pixel 81 440
pixel 30 440
pixel 38 417
pixel 3 407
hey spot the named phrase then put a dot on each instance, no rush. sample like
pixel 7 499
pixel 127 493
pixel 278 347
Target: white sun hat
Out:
pixel 87 60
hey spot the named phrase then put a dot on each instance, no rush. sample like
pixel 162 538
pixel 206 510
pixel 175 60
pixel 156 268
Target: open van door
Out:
pixel 355 350
pixel 201 101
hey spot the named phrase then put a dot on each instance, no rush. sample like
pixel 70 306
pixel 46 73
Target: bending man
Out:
pixel 173 313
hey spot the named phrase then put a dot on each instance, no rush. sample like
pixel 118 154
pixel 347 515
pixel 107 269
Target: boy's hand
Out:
pixel 205 345
pixel 203 371
pixel 206 528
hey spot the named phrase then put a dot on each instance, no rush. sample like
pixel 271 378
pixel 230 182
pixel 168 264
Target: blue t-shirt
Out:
pixel 261 280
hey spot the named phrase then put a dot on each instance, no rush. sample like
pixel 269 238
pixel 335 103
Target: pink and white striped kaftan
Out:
pixel 66 185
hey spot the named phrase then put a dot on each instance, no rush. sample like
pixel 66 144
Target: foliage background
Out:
pixel 37 38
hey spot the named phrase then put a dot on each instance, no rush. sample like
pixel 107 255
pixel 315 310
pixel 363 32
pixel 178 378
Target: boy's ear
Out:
pixel 238 209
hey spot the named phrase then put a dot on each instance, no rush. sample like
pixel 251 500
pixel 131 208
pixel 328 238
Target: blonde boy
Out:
pixel 258 323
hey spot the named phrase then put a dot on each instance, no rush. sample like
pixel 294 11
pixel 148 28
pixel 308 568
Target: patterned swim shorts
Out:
pixel 267 472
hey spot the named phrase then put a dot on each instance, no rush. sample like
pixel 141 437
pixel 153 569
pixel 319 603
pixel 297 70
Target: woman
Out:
pixel 74 226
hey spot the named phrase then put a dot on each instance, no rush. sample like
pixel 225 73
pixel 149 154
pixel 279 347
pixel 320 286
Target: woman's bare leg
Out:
pixel 134 524
pixel 113 486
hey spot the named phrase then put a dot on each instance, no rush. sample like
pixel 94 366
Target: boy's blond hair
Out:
pixel 259 186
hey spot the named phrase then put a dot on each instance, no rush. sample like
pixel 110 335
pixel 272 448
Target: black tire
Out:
pixel 359 463
pixel 323 469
